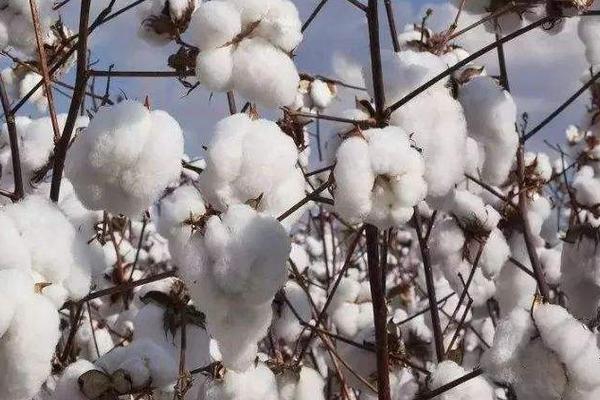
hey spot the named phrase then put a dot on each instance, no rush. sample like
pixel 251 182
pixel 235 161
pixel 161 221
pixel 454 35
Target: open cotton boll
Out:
pixel 516 356
pixel 176 212
pixel 495 254
pixel 214 24
pixel 441 137
pixel 55 251
pixel 586 186
pixel 144 361
pixel 280 24
pixel 550 259
pixel 149 324
pixel 470 209
pixel 233 270
pixel 29 333
pixel 264 74
pixel 250 160
pixel 572 342
pixel 164 20
pixel 474 389
pixel 214 68
pixel 379 178
pixel 515 288
pixel 308 384
pixel 580 277
pixel 286 325
pixel 130 156
pixel 67 387
pixel 447 241
pixel 257 383
pixel 16 17
pixel 589 33
pixel 491 115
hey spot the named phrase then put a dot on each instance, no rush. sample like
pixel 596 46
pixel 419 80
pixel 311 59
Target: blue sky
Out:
pixel 543 69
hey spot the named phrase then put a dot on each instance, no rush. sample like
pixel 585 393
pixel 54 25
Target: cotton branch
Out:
pixel 14 143
pixel 60 152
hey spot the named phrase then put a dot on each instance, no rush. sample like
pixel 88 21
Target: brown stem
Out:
pixel 392 23
pixel 379 313
pixel 60 151
pixel 527 232
pixel 127 286
pixel 313 15
pixel 450 385
pixel 433 310
pixel 14 143
pixel 44 67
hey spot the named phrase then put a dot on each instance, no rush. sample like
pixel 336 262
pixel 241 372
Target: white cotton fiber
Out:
pixel 47 245
pixel 245 45
pixel 589 34
pixel 379 178
pixel 29 333
pixel 67 387
pixel 252 59
pixel 257 383
pixel 252 160
pixel 125 158
pixel 473 389
pixel 491 115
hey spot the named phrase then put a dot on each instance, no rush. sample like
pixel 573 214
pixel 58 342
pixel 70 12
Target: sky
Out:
pixel 543 69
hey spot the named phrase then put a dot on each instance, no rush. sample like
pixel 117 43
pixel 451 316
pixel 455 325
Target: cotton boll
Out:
pixel 307 385
pixel 287 326
pixel 149 324
pixel 321 94
pixel 281 25
pixel 580 277
pixel 550 259
pixel 495 254
pixel 447 240
pixel 491 116
pixel 248 160
pixel 441 137
pixel 29 340
pixel 586 187
pixel 515 288
pixel 233 269
pixel 176 212
pixel 264 74
pixel 257 383
pixel 379 178
pixel 130 154
pixel 144 361
pixel 67 387
pixel 474 389
pixel 56 252
pixel 572 342
pixel 214 24
pixel 589 34
pixel 214 68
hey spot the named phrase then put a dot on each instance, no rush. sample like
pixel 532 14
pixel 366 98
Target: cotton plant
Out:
pixel 245 46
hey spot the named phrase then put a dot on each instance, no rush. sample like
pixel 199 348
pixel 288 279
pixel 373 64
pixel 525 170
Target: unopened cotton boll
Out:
pixel 29 333
pixel 379 178
pixel 251 160
pixel 126 158
pixel 491 115
pixel 589 33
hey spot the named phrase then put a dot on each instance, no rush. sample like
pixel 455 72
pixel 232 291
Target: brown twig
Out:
pixel 13 138
pixel 60 151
